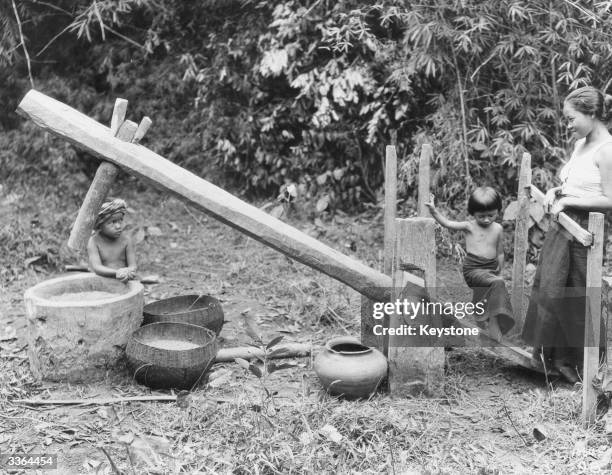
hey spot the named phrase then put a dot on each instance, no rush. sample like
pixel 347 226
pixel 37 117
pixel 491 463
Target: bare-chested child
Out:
pixel 485 258
pixel 110 251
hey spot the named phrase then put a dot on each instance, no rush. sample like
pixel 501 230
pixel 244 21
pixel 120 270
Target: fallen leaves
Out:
pixel 330 433
pixel 9 333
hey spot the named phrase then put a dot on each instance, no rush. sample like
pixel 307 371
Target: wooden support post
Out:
pixel 521 244
pixel 390 206
pixel 424 179
pixel 592 318
pixel 103 179
pixel 368 338
pixel 414 368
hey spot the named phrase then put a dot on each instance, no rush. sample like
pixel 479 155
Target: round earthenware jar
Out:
pixel 347 368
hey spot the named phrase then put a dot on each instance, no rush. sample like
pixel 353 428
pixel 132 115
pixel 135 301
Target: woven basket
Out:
pixel 160 367
pixel 202 310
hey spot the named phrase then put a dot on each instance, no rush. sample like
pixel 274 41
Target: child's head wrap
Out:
pixel 108 210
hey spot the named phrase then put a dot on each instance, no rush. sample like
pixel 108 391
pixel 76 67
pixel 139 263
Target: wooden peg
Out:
pixel 127 131
pixel 118 115
pixel 102 182
pixel 143 127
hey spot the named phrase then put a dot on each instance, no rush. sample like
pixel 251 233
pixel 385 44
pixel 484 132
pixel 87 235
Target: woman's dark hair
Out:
pixel 590 101
pixel 484 198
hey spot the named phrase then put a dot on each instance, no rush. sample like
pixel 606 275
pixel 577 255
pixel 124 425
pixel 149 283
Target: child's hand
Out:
pixel 460 253
pixel 431 203
pixel 122 274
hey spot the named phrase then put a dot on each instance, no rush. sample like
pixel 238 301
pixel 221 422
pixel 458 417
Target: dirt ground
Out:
pixel 484 421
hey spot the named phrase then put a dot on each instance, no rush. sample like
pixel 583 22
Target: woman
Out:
pixel 555 317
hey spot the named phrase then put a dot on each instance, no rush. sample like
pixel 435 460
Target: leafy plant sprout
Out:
pixel 263 367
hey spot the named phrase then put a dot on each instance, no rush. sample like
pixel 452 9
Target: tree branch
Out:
pixel 25 50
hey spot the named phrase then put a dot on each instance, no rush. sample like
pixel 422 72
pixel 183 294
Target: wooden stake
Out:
pixel 368 322
pixel 424 179
pixel 390 207
pixel 414 369
pixel 521 244
pixel 592 318
pixel 143 127
pixel 118 116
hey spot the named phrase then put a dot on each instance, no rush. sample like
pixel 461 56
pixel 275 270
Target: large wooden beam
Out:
pixel 86 133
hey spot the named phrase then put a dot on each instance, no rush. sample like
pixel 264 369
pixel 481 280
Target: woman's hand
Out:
pixel 550 197
pixel 557 207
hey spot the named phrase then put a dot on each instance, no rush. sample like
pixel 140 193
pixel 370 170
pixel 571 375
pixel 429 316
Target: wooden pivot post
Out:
pixel 424 179
pixel 414 367
pixel 521 243
pixel 124 130
pixel 390 207
pixel 368 322
pixel 592 317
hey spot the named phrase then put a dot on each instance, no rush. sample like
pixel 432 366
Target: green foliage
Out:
pixel 310 100
pixel 310 91
pixel 504 67
pixel 30 237
pixel 264 366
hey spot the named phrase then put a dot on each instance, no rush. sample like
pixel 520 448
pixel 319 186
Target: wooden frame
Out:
pixel 88 134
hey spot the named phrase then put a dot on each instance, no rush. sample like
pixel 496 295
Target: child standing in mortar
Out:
pixel 485 258
pixel 110 251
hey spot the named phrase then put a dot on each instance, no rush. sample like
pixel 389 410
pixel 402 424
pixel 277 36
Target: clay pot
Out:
pixel 347 368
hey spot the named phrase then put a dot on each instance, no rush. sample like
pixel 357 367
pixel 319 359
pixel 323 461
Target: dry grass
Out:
pixel 482 423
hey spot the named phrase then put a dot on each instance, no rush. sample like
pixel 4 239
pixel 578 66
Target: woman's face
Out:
pixel 579 124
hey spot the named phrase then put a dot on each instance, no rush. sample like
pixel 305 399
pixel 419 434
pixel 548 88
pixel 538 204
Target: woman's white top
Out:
pixel 580 176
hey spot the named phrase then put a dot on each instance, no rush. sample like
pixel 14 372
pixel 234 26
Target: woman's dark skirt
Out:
pixel 556 311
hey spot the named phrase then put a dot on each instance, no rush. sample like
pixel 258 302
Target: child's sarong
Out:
pixel 488 287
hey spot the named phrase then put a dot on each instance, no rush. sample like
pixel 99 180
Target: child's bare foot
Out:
pixel 494 330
